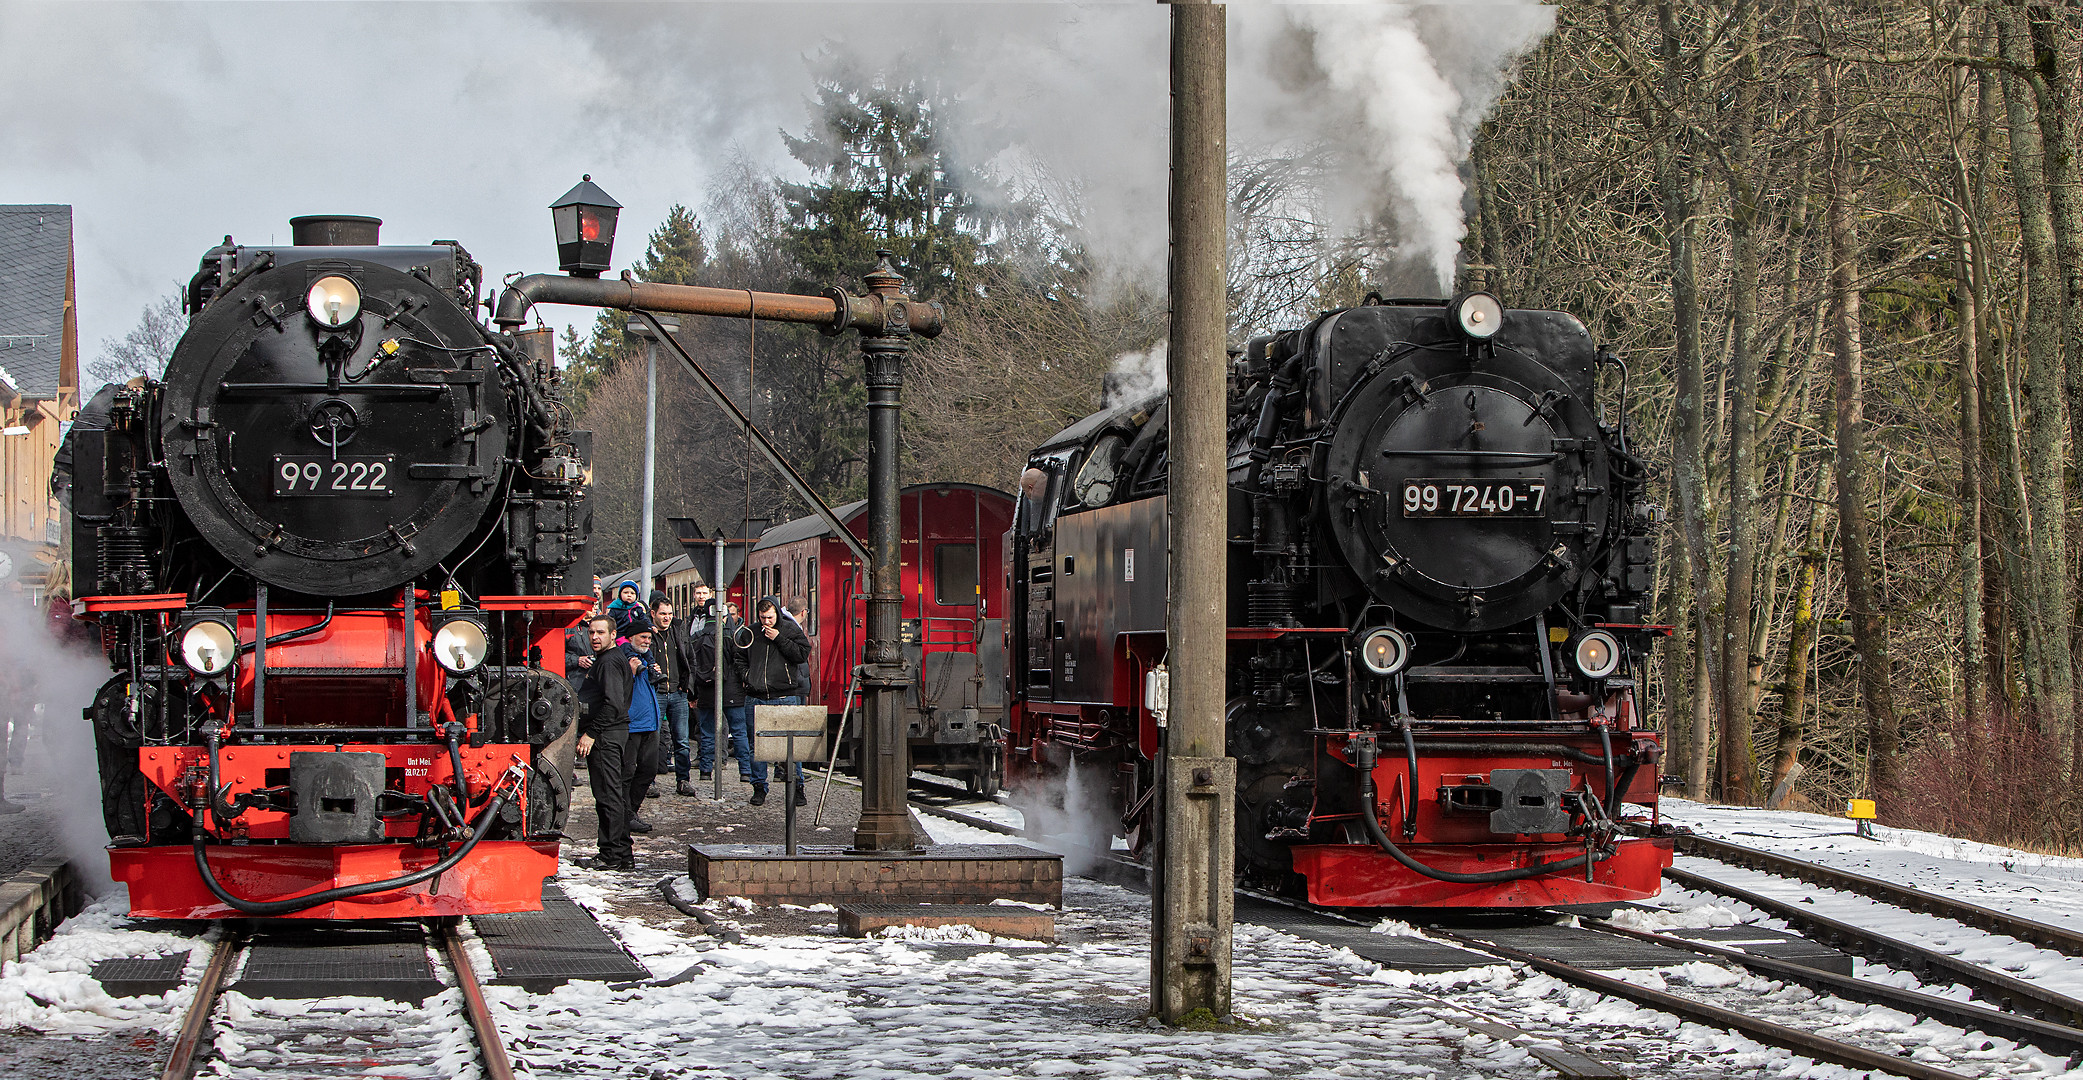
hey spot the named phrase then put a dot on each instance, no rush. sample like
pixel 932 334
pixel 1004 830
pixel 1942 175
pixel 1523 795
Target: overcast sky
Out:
pixel 168 125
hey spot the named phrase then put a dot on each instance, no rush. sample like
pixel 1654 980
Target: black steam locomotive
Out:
pixel 329 557
pixel 1439 550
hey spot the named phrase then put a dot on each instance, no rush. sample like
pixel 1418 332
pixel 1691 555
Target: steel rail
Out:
pixel 2060 939
pixel 2055 1039
pixel 1112 866
pixel 180 1065
pixel 1994 987
pixel 1764 1031
pixel 491 1048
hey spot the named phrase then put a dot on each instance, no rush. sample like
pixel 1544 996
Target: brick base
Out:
pixel 1002 920
pixel 946 874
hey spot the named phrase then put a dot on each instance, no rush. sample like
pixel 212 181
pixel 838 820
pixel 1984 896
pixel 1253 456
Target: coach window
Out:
pixel 810 589
pixel 954 575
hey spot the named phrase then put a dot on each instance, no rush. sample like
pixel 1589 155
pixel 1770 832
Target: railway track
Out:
pixel 2050 1035
pixel 321 1038
pixel 2061 939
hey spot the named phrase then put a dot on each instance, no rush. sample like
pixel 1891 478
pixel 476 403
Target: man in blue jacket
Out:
pixel 646 709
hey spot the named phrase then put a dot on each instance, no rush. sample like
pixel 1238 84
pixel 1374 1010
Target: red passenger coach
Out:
pixel 954 603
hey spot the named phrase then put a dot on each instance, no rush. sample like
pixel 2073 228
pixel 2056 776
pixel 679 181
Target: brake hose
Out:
pixel 294 904
pixel 1363 760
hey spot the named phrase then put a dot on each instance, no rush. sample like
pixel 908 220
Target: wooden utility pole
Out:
pixel 1195 870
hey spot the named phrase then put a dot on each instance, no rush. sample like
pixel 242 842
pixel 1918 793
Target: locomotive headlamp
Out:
pixel 1598 655
pixel 1385 650
pixel 460 644
pixel 1477 315
pixel 333 301
pixel 208 644
pixel 585 221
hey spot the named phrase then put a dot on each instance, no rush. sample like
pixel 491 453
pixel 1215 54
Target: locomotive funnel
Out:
pixel 334 230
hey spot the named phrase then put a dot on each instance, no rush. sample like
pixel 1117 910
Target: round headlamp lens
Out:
pixel 1478 315
pixel 334 301
pixel 1384 651
pixel 460 645
pixel 1598 655
pixel 208 646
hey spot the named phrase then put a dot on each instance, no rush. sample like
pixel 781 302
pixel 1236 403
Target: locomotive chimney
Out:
pixel 334 230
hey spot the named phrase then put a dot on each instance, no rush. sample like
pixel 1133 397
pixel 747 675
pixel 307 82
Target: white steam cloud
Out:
pixel 1135 375
pixel 52 752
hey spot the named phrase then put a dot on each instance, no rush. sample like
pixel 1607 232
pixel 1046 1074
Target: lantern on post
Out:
pixel 585 221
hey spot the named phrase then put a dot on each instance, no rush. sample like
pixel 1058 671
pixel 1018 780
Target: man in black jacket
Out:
pixel 702 672
pixel 778 645
pixel 671 650
pixel 604 694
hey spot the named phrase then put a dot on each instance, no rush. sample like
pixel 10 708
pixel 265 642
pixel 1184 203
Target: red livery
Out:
pixel 327 559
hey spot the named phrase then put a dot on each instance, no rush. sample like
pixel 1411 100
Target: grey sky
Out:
pixel 168 125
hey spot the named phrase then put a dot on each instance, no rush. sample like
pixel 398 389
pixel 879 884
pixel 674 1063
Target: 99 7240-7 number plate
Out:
pixel 1436 497
pixel 337 477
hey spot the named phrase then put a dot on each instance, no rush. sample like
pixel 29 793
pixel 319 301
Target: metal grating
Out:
pixel 1401 953
pixel 140 976
pixel 540 950
pixel 381 963
pixel 1583 948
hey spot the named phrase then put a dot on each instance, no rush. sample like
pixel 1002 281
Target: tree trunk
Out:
pixel 1854 532
pixel 1679 184
pixel 1800 640
pixel 2051 689
pixel 1738 772
pixel 1967 312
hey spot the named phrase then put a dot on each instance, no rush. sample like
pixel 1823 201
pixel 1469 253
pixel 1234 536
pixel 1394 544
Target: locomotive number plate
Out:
pixel 364 477
pixel 1447 498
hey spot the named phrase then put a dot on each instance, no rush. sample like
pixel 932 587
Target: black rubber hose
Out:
pixel 1516 874
pixel 1410 796
pixel 295 904
pixel 455 763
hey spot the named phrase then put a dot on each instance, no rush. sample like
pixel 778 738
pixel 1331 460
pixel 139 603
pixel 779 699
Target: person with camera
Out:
pixel 673 650
pixel 702 676
pixel 606 688
pixel 778 645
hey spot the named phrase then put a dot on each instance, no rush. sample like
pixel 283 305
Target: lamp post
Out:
pixel 642 329
pixel 887 320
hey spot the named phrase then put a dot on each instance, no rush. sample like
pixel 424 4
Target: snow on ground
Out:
pixel 2045 888
pixel 52 989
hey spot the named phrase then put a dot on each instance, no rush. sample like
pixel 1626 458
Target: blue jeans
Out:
pixel 759 769
pixel 672 742
pixel 740 748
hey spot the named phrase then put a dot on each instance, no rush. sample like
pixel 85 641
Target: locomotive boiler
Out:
pixel 330 555
pixel 1439 552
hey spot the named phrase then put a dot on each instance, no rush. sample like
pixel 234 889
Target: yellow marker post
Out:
pixel 1862 812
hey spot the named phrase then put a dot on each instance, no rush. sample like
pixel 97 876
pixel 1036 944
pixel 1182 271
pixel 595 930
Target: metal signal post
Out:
pixel 1195 865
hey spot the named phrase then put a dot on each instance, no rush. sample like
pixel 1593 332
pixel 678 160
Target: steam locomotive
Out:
pixel 1439 549
pixel 328 556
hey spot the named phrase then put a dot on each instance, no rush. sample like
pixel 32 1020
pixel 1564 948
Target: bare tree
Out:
pixel 147 347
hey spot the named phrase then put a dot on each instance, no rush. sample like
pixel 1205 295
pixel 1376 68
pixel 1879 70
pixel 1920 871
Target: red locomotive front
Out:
pixel 326 557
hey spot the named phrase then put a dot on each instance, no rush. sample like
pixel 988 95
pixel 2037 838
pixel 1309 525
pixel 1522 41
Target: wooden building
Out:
pixel 39 387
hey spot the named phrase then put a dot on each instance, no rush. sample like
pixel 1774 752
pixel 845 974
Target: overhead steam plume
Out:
pixel 1135 375
pixel 1069 99
pixel 1395 92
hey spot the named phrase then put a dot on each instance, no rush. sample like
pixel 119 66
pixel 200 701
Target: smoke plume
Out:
pixel 52 752
pixel 1135 375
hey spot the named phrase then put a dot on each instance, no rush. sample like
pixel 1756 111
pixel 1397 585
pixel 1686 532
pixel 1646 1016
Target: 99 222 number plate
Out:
pixel 1452 498
pixel 365 477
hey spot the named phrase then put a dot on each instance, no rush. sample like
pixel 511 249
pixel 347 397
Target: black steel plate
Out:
pixel 376 962
pixel 1583 948
pixel 1774 944
pixel 542 950
pixel 140 976
pixel 1401 953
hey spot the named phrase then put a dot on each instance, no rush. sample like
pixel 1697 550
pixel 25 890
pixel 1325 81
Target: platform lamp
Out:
pixel 585 221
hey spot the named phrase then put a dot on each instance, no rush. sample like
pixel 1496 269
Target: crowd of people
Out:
pixel 637 667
